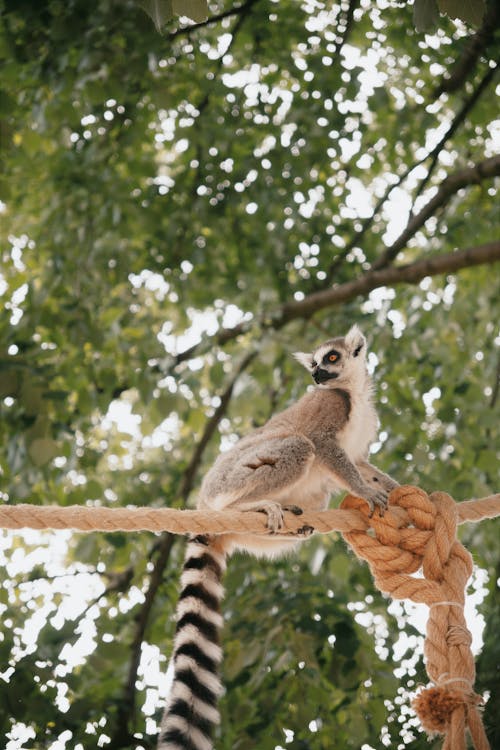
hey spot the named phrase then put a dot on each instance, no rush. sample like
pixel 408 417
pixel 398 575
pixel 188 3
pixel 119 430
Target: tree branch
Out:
pixel 348 20
pixel 312 303
pixel 475 46
pixel 496 385
pixel 242 11
pixel 458 119
pixel 221 338
pixel 411 273
pixel 210 427
pixel 210 21
pixel 450 185
pixel 126 708
pixel 455 124
pixel 374 278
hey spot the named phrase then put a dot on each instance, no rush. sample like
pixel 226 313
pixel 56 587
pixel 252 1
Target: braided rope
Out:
pixel 417 534
pixel 426 542
pixel 97 518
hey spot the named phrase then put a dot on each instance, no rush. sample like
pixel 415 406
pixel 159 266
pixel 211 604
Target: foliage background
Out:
pixel 180 212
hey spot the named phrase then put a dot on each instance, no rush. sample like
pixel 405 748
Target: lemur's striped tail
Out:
pixel 191 712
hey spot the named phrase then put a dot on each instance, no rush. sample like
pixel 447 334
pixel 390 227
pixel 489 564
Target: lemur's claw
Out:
pixel 305 530
pixel 376 499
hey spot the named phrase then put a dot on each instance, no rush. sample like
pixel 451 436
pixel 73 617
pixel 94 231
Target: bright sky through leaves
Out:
pixel 180 211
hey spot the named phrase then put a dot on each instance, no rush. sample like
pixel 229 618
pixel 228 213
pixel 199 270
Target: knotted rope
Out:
pixel 417 534
pixel 424 540
pixel 97 518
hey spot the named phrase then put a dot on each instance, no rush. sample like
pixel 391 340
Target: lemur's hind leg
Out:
pixel 260 473
pixel 273 509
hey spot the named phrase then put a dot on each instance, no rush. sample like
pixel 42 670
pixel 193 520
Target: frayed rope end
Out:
pixel 434 707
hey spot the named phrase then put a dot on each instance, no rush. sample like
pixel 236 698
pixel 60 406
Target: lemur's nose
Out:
pixel 321 375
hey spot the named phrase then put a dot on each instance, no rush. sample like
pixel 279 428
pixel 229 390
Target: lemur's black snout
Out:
pixel 321 376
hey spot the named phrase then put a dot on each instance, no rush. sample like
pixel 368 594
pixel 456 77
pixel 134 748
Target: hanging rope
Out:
pixel 417 534
pixel 426 542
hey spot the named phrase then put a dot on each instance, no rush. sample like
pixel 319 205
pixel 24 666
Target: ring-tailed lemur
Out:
pixel 298 458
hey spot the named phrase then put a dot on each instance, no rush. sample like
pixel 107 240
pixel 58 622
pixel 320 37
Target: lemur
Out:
pixel 317 446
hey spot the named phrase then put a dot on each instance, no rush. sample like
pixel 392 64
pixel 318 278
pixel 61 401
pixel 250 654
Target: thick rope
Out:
pixel 97 518
pixel 83 518
pixel 426 543
pixel 416 535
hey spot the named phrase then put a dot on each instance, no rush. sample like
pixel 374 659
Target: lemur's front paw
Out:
pixel 391 485
pixel 387 483
pixel 376 498
pixel 293 509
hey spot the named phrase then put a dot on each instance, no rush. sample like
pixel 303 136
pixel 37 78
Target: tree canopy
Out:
pixel 180 212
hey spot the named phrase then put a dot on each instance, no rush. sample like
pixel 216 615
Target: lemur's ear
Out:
pixel 354 340
pixel 305 359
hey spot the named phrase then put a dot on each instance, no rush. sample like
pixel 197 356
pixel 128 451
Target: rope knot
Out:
pixel 458 635
pixel 418 533
pixel 435 706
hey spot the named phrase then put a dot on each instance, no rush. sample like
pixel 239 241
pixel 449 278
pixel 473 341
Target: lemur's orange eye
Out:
pixel 333 357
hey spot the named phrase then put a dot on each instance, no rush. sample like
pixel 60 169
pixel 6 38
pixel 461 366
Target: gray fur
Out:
pixel 317 446
pixel 301 456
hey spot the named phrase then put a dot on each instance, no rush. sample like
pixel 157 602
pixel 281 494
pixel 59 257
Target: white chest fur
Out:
pixel 361 429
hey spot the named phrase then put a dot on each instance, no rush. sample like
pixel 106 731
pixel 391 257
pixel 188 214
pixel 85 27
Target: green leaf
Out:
pixel 160 11
pixel 42 450
pixel 196 10
pixel 470 11
pixel 176 190
pixel 425 15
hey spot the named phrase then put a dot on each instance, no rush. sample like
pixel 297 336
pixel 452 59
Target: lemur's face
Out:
pixel 337 360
